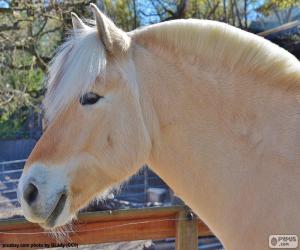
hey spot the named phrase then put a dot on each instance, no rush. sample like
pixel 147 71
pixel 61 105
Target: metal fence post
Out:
pixel 146 183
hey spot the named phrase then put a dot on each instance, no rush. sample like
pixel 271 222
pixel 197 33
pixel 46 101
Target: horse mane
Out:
pixel 82 57
pixel 73 70
pixel 223 45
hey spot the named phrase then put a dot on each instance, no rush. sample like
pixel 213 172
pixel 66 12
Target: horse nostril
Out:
pixel 30 193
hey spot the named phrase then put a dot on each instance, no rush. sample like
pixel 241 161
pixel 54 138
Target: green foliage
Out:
pixel 123 12
pixel 30 32
pixel 281 4
pixel 21 94
pixel 274 6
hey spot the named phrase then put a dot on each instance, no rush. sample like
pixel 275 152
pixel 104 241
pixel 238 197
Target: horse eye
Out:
pixel 89 98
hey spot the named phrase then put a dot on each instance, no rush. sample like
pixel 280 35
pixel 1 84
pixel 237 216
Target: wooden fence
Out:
pixel 115 226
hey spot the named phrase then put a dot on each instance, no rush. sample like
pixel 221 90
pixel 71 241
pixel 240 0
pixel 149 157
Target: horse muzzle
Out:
pixel 43 196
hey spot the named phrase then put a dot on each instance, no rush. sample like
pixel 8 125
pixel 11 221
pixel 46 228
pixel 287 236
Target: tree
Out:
pixel 30 32
pixel 282 9
pixel 123 12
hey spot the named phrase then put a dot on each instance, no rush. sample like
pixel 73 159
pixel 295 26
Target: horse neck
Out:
pixel 215 134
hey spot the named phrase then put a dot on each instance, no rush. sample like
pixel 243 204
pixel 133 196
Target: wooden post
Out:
pixel 186 231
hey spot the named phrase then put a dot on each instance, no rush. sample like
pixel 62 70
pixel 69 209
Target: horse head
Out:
pixel 96 135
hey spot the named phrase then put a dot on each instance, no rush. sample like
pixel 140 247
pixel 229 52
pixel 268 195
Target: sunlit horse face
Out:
pixel 96 136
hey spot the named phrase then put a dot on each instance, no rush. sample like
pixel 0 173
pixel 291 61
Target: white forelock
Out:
pixel 73 70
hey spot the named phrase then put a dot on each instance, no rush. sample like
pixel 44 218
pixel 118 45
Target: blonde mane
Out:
pixel 82 57
pixel 74 70
pixel 221 44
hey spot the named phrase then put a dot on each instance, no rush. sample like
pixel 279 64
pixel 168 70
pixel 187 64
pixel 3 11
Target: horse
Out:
pixel 212 109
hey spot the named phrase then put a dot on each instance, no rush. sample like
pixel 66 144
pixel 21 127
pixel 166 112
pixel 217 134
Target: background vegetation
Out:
pixel 30 32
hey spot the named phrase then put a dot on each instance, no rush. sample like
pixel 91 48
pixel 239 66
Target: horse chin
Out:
pixel 60 222
pixel 60 215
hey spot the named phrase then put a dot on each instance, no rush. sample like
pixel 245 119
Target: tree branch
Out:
pixel 42 27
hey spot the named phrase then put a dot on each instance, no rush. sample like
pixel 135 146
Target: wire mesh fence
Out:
pixel 143 190
pixel 10 172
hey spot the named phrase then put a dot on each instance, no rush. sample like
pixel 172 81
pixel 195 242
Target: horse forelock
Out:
pixel 73 70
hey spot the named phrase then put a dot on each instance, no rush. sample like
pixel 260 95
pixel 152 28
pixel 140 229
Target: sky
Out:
pixel 3 4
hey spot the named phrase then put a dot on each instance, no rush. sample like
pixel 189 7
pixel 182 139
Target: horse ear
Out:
pixel 77 22
pixel 111 36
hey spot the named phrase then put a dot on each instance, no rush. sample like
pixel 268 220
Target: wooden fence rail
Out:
pixel 115 226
